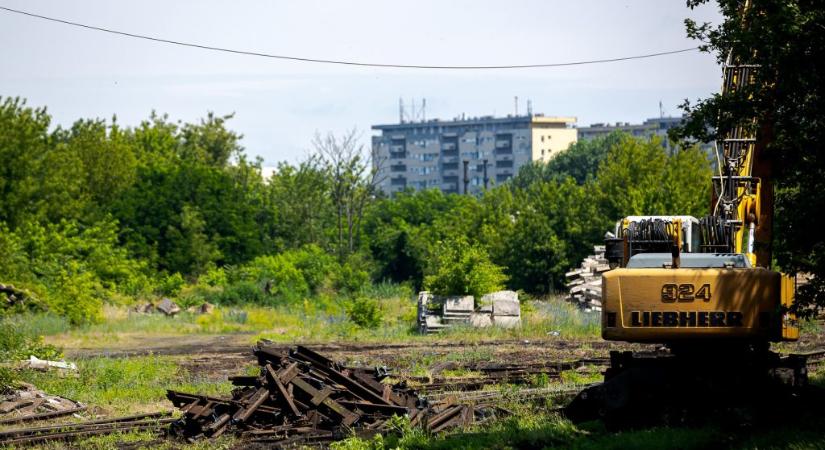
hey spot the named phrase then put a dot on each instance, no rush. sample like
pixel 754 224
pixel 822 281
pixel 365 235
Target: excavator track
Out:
pixel 692 386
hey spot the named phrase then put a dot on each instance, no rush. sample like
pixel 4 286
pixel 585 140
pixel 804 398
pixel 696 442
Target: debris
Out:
pixel 168 307
pixel 146 308
pixel 41 364
pixel 301 396
pixel 205 308
pixel 15 296
pixel 28 403
pixel 501 308
pixel 585 283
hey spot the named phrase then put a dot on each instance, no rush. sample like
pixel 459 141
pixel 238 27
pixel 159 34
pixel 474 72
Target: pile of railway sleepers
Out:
pixel 301 396
pixel 585 283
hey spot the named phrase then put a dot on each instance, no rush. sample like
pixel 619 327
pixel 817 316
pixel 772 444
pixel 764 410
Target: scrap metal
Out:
pixel 302 396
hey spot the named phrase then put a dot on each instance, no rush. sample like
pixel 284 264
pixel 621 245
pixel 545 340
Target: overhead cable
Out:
pixel 342 62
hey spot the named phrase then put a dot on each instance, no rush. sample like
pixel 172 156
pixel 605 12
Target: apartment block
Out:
pixel 657 126
pixel 434 153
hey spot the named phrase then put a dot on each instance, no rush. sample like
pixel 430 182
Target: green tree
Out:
pixel 191 249
pixel 556 224
pixel 786 39
pixel 298 206
pixel 580 161
pixel 462 268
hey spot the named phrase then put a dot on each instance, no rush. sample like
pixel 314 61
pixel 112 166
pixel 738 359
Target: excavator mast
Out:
pixel 740 221
pixel 701 287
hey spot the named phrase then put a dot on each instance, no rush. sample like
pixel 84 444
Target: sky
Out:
pixel 279 105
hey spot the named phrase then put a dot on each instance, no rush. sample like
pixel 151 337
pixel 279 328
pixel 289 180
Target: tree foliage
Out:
pixel 786 39
pixel 100 213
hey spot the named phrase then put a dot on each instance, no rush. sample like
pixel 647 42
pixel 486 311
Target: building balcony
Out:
pixel 503 144
pixel 449 166
pixel 398 181
pixel 398 168
pixel 504 151
pixel 445 146
pixel 398 155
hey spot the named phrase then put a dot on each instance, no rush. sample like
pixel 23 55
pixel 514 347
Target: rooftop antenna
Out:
pixel 400 110
pixel 412 110
pixel 423 109
pixel 661 110
pixel 529 107
pixel 516 98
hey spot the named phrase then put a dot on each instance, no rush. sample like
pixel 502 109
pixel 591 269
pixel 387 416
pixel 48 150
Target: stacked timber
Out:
pixel 584 284
pixel 301 397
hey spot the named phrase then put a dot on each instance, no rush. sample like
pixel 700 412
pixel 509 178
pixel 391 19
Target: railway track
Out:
pixel 437 389
pixel 72 431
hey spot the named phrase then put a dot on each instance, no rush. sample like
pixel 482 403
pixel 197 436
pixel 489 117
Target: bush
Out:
pixel 172 285
pixel 365 312
pixel 243 292
pixel 351 277
pixel 78 297
pixel 7 379
pixel 277 275
pixel 460 268
pixel 15 345
pixel 316 266
pixel 215 276
pixel 71 267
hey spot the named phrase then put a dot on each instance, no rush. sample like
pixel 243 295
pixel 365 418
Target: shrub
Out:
pixel 215 276
pixel 172 284
pixel 460 268
pixel 351 278
pixel 278 276
pixel 16 345
pixel 315 265
pixel 7 379
pixel 78 297
pixel 365 312
pixel 243 292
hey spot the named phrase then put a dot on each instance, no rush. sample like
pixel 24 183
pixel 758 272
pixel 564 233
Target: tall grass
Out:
pixel 124 384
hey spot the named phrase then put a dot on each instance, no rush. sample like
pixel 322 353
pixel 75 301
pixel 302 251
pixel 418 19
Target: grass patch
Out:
pixel 125 385
pixel 584 377
pixel 320 319
pixel 529 428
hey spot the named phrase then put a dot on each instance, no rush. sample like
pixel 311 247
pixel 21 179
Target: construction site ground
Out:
pixel 131 375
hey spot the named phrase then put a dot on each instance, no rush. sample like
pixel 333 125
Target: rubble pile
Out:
pixel 301 396
pixel 26 402
pixel 585 283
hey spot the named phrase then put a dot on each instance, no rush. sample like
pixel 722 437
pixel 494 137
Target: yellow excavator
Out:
pixel 703 289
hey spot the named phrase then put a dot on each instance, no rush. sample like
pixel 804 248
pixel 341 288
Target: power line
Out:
pixel 341 62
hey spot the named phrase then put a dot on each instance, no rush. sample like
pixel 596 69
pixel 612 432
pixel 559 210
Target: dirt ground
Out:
pixel 217 357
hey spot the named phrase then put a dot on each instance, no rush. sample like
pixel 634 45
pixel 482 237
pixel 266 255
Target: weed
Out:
pixel 124 384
